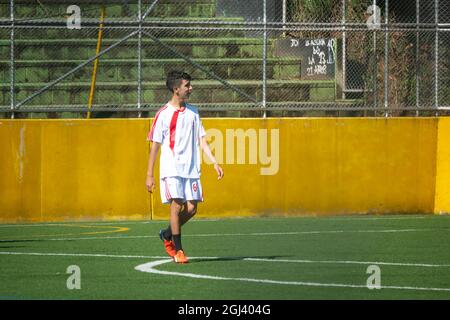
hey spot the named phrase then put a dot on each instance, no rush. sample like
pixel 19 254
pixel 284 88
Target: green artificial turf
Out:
pixel 251 258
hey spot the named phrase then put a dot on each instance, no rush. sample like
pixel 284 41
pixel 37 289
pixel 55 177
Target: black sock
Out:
pixel 167 234
pixel 177 241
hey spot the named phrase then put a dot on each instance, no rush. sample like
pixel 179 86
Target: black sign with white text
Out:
pixel 318 56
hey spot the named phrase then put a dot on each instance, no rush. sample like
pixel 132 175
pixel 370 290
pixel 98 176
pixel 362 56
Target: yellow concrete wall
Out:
pixel 332 166
pixel 442 193
pixel 73 169
pixel 20 171
pixel 54 170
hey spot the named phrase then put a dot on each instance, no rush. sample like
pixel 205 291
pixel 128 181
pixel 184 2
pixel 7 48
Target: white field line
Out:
pixel 343 218
pixel 426 265
pixel 150 268
pixel 99 255
pixel 234 234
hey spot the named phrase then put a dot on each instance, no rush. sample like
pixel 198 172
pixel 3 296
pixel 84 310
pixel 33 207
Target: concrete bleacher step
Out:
pixel 206 91
pixel 184 32
pixel 166 28
pixel 114 70
pixel 70 49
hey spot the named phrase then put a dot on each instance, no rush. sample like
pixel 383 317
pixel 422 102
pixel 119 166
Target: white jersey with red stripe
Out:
pixel 179 132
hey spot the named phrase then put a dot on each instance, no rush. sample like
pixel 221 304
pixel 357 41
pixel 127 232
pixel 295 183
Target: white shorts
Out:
pixel 180 188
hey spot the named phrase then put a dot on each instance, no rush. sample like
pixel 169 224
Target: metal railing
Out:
pixel 255 57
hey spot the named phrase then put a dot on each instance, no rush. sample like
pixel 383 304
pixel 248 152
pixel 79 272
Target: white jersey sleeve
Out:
pixel 156 133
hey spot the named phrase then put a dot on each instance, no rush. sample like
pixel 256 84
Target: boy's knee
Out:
pixel 192 210
pixel 177 203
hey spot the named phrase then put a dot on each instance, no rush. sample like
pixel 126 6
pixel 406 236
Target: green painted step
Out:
pixel 173 42
pixel 157 31
pixel 156 92
pixel 152 70
pixel 63 50
pixel 72 49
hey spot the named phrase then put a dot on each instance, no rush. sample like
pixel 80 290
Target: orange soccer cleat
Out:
pixel 180 257
pixel 168 245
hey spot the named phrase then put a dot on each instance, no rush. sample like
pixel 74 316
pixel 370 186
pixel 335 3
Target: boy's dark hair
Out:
pixel 174 79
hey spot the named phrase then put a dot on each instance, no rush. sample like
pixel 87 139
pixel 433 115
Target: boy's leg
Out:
pixel 173 192
pixel 175 224
pixel 175 209
pixel 188 211
pixel 193 193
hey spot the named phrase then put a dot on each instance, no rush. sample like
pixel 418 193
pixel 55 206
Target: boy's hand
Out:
pixel 219 171
pixel 150 182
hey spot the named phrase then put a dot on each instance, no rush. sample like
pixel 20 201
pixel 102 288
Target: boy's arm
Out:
pixel 205 147
pixel 150 181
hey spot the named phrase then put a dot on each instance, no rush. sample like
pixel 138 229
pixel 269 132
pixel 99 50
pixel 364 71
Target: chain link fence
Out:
pixel 247 58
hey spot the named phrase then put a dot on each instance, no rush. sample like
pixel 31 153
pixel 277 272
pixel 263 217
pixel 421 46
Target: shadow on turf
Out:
pixel 235 258
pixel 13 242
pixel 19 240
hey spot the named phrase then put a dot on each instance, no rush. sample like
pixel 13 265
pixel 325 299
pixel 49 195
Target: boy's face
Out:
pixel 184 90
